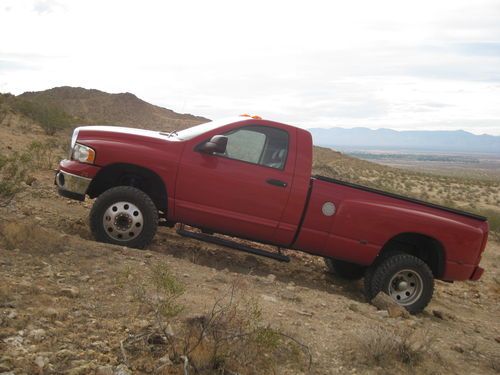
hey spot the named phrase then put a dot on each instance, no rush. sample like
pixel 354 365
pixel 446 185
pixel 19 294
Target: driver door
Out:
pixel 242 191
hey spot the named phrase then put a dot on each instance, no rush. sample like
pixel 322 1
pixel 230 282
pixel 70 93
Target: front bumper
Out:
pixel 72 186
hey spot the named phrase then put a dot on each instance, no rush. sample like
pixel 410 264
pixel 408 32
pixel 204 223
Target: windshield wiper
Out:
pixel 169 134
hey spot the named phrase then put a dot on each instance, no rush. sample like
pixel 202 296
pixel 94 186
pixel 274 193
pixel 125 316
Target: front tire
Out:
pixel 345 270
pixel 406 278
pixel 124 215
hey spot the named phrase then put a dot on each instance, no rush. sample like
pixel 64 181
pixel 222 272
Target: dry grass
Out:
pixel 30 238
pixel 387 347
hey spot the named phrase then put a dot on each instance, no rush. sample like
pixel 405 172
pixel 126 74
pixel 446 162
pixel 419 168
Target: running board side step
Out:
pixel 231 244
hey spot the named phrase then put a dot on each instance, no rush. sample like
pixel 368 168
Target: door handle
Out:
pixel 272 181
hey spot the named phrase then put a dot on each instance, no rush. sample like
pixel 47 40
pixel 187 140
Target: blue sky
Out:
pixel 392 64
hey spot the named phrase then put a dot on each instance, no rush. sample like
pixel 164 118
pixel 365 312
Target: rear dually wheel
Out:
pixel 404 277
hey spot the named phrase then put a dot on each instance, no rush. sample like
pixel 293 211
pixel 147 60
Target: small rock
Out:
pixel 12 314
pixel 37 335
pixel 458 348
pixel 65 354
pixel 438 314
pixel 383 302
pixel 497 339
pixel 397 312
pixel 271 278
pixel 142 324
pixel 71 292
pixel 305 313
pixel 105 370
pixel 185 275
pixel 51 312
pixel 353 307
pixel 290 296
pixel 15 341
pixel 41 362
pixel 84 278
pixel 382 313
pixel 220 278
pixel 101 346
pixel 165 360
pixel 122 370
pixel 267 298
pixel 84 369
pixel 169 331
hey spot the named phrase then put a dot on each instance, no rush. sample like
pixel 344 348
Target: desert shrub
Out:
pixel 230 337
pixel 14 171
pixel 50 118
pixel 45 155
pixel 385 346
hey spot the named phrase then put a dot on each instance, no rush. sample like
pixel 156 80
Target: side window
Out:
pixel 255 144
pixel 245 145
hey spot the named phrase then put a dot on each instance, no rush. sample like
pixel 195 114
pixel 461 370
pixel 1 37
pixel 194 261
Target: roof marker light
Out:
pixel 255 117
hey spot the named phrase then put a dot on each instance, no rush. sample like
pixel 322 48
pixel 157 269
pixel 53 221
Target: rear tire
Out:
pixel 125 216
pixel 345 270
pixel 406 278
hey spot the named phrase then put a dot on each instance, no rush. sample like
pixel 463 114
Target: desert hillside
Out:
pixel 69 305
pixel 98 107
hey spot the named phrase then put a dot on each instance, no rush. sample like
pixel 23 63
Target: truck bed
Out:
pixel 398 196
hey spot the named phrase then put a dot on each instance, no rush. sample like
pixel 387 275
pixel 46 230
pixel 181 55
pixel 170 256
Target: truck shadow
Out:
pixel 303 270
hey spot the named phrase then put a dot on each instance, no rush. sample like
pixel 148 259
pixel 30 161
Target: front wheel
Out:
pixel 406 278
pixel 124 215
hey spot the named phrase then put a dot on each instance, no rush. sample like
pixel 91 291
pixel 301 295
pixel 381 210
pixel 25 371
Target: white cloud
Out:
pixel 390 63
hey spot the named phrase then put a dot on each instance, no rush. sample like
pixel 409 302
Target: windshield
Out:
pixel 195 131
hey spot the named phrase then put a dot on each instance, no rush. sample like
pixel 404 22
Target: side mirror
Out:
pixel 217 144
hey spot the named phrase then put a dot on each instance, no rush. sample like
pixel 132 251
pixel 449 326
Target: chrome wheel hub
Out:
pixel 123 221
pixel 405 287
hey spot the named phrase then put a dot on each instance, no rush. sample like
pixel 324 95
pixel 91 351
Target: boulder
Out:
pixel 382 301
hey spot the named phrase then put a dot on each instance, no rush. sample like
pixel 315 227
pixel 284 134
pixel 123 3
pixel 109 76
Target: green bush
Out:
pixel 50 118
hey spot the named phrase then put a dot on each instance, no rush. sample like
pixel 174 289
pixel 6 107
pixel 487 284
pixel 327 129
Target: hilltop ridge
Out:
pixel 99 107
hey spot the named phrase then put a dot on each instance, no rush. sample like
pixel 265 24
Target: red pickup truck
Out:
pixel 251 178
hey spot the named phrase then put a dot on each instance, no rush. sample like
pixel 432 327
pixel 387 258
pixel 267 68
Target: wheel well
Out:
pixel 430 250
pixel 130 175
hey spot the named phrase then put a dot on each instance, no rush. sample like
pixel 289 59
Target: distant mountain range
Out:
pixel 458 141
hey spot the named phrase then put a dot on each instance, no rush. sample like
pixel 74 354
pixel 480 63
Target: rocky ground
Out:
pixel 67 303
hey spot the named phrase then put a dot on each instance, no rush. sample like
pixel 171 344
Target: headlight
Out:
pixel 83 154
